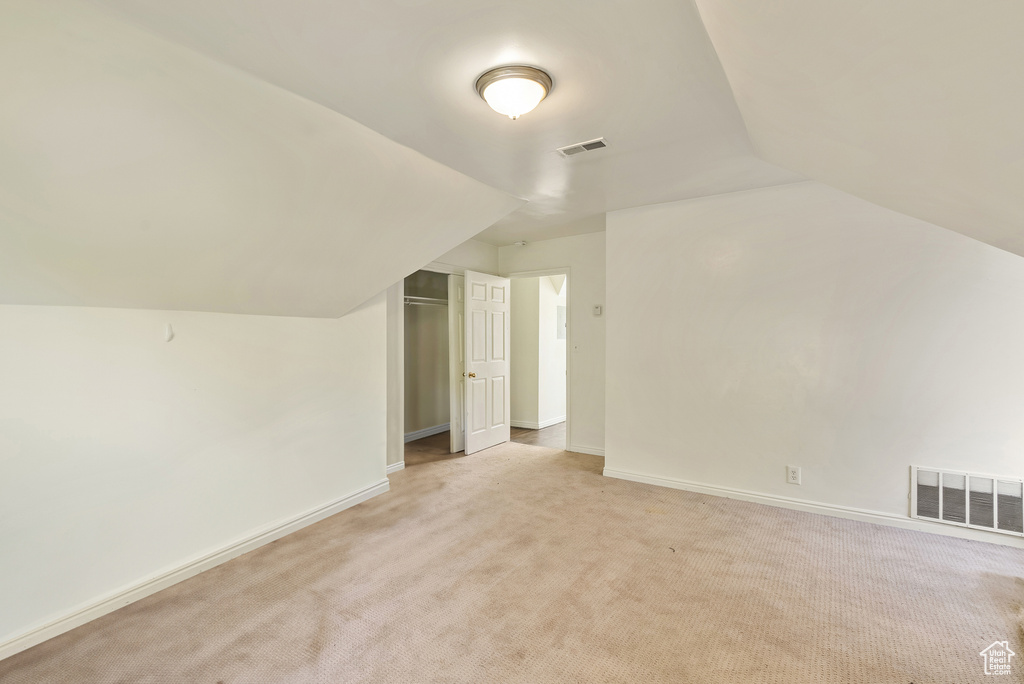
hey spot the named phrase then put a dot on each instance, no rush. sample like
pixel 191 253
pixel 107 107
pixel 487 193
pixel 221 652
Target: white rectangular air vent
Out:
pixel 984 502
pixel 589 146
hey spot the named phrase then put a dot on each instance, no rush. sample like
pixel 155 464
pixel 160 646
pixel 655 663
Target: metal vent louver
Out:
pixel 984 502
pixel 588 146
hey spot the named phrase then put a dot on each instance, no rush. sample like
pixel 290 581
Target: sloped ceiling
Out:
pixel 643 75
pixel 915 105
pixel 138 173
pixel 297 157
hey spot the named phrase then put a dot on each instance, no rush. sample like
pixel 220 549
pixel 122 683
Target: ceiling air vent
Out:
pixel 968 500
pixel 588 146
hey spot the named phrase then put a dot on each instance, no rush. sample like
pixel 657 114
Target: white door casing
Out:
pixel 457 360
pixel 488 332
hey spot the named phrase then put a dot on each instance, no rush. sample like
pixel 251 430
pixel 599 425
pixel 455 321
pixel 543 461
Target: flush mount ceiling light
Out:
pixel 513 90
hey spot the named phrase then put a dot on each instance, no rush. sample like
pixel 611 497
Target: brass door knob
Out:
pixel 472 375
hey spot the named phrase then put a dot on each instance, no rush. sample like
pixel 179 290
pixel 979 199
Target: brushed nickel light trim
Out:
pixel 516 71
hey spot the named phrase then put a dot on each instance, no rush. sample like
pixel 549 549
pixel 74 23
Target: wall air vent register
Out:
pixel 983 502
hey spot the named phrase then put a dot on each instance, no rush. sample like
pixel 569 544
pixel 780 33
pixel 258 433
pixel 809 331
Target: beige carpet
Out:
pixel 524 564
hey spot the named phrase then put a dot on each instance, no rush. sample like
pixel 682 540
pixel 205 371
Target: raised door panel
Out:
pixel 497 401
pixel 478 336
pixel 497 335
pixel 477 396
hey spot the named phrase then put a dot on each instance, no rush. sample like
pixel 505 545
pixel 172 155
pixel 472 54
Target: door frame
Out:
pixel 456 378
pixel 395 342
pixel 396 349
pixel 567 272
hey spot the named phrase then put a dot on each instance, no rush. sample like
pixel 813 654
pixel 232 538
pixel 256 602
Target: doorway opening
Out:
pixel 427 411
pixel 540 360
pixel 436 402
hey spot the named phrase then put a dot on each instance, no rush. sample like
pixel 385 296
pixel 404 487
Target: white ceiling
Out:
pixel 294 158
pixel 915 105
pixel 643 75
pixel 137 173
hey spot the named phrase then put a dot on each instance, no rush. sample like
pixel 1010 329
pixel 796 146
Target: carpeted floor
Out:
pixel 524 564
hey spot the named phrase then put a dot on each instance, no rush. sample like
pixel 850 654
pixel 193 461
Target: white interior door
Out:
pixel 488 329
pixel 457 360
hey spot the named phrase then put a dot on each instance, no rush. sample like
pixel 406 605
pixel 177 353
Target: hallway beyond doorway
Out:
pixel 552 437
pixel 435 447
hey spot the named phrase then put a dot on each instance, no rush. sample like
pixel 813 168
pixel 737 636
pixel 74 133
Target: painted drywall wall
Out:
pixel 801 326
pixel 525 352
pixel 584 256
pixel 426 367
pixel 125 456
pixel 472 255
pixel 551 350
pixel 137 173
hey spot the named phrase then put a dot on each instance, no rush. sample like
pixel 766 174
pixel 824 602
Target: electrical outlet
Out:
pixel 792 475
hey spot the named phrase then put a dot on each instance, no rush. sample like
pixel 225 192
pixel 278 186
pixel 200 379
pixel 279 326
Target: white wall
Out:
pixel 125 456
pixel 426 367
pixel 524 352
pixel 584 257
pixel 551 376
pixel 799 325
pixel 472 255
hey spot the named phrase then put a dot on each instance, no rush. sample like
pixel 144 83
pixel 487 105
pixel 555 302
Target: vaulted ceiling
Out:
pixel 642 74
pixel 915 105
pixel 137 173
pixel 296 157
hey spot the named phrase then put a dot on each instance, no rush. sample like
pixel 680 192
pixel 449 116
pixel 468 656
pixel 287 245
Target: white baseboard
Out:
pixel 593 451
pixel 426 432
pixel 395 467
pixel 536 426
pixel 834 510
pixel 146 587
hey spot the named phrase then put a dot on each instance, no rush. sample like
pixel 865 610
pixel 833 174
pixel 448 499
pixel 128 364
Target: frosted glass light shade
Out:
pixel 513 97
pixel 513 90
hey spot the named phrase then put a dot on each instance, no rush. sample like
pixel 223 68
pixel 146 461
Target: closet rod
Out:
pixel 428 301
